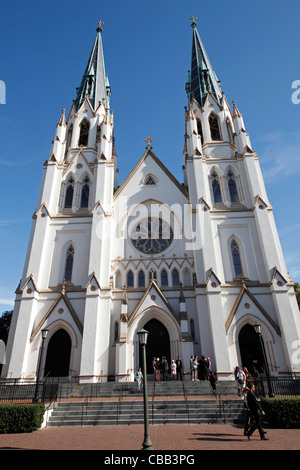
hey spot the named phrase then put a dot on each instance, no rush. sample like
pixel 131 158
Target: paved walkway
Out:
pixel 164 437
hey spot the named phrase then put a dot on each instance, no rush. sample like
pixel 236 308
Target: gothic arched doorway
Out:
pixel 58 355
pixel 158 343
pixel 250 349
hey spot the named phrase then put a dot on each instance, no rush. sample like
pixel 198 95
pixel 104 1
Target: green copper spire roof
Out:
pixel 94 83
pixel 202 78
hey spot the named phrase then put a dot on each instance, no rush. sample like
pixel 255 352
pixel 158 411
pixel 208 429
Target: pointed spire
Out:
pixel 202 79
pixel 94 83
pixel 62 121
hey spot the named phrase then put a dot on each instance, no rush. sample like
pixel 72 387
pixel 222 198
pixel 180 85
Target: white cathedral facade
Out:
pixel 197 263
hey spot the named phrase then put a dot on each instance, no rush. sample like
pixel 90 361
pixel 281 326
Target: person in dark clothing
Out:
pixel 164 368
pixel 202 369
pixel 179 367
pixel 257 413
pixel 213 383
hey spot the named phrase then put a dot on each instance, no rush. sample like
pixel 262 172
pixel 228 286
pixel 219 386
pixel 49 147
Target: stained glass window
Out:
pixel 85 193
pixel 69 193
pixel 232 187
pixel 216 188
pixel 236 258
pixel 152 235
pixel 164 278
pixel 69 264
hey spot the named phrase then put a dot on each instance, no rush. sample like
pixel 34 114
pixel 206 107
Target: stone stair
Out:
pixel 129 389
pixel 168 402
pixel 202 411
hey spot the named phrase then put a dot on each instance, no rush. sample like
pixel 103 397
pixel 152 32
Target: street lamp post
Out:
pixel 257 329
pixel 44 336
pixel 147 444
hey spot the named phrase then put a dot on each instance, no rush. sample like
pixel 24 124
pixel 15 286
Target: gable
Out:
pixel 164 185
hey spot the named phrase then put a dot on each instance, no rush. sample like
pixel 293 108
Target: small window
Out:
pixel 236 259
pixel 69 264
pixel 150 180
pixel 130 279
pixel 84 133
pixel 216 188
pixel 85 193
pixel 214 127
pixel 175 277
pixel 164 278
pixel 69 193
pixel 141 279
pixel 232 187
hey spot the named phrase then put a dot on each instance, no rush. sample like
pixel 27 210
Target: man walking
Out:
pixel 257 413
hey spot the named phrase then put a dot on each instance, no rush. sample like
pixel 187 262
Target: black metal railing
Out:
pixel 55 389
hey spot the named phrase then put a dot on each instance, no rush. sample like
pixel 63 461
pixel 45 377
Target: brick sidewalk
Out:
pixel 163 437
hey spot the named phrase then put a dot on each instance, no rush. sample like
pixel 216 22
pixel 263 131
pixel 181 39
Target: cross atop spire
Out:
pixel 99 23
pixel 193 24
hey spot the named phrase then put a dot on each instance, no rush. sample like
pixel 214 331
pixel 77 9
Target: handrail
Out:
pixel 153 395
pixel 85 403
pixel 186 400
pixel 120 399
pixel 221 403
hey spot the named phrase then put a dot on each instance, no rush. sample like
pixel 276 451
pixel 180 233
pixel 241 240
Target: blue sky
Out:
pixel 253 46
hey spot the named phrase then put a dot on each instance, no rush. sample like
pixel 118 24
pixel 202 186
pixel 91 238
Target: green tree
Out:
pixel 297 290
pixel 5 321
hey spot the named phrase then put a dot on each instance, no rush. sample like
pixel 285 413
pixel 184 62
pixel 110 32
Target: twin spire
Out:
pixel 94 83
pixel 202 79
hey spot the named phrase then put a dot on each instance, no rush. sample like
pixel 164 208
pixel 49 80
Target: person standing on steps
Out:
pixel 164 368
pixel 179 367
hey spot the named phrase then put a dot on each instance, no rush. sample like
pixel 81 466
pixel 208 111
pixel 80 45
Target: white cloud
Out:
pixel 280 157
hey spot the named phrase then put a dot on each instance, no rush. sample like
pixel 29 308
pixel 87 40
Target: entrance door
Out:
pixel 58 355
pixel 158 343
pixel 250 349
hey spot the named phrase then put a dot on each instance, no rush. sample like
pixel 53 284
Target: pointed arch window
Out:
pixel 141 278
pixel 85 193
pixel 69 193
pixel 84 133
pixel 199 129
pixel 69 137
pixel 164 278
pixel 214 127
pixel 98 134
pixel 235 252
pixel 130 279
pixel 229 130
pixel 69 264
pixel 216 188
pixel 175 277
pixel 232 187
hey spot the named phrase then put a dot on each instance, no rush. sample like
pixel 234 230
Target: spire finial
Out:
pixel 194 24
pixel 99 29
